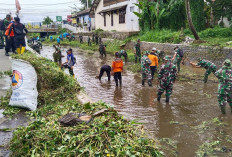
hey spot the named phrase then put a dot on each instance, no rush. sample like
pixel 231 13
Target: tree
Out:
pixel 198 14
pixel 47 21
pixel 190 22
pixel 84 2
pixel 221 9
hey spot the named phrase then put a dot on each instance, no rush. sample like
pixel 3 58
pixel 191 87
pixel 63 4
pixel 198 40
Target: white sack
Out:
pixel 24 85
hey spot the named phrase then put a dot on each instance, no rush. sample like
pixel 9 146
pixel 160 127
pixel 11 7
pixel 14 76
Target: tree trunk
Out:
pixel 190 22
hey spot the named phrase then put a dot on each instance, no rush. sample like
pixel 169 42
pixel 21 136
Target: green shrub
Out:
pixel 161 36
pixel 216 32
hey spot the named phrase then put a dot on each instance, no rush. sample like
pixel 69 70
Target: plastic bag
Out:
pixel 24 85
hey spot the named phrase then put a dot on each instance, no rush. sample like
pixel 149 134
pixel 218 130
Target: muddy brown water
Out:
pixel 181 126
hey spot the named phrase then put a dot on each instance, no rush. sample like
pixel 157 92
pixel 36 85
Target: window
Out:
pixel 104 19
pixel 132 9
pixel 112 18
pixel 122 16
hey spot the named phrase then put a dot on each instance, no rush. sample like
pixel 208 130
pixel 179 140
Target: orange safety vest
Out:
pixel 8 29
pixel 117 65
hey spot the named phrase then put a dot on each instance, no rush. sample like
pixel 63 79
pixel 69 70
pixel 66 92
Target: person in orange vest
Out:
pixel 117 69
pixel 9 40
pixel 154 62
pixel 20 32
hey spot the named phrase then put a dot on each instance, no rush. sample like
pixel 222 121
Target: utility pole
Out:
pixel 87 1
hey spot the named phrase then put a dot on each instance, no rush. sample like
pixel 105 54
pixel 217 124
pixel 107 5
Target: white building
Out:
pixel 115 15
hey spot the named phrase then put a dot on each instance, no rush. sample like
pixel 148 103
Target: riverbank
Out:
pixel 107 135
pixel 114 46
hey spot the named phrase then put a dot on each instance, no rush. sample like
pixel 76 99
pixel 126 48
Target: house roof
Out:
pixel 112 9
pixel 94 6
pixel 83 12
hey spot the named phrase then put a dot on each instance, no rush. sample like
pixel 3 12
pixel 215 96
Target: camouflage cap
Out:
pixel 227 63
pixel 146 53
pixel 199 59
pixel 167 58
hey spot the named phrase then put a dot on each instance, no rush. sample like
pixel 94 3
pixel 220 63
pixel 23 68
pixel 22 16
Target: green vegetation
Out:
pixel 161 36
pixel 106 135
pixel 217 36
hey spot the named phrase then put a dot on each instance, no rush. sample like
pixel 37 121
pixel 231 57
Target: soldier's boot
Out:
pixel 150 83
pixel 158 96
pixel 167 99
pixel 143 82
pixel 6 53
pixel 223 109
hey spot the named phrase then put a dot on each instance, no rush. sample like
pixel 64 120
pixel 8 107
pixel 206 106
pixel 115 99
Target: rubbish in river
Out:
pixel 72 119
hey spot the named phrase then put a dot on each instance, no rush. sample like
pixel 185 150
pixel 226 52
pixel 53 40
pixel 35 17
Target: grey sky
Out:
pixel 36 10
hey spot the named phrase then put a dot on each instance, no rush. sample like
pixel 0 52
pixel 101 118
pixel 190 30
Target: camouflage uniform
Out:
pixel 177 60
pixel 96 39
pixel 89 41
pixel 225 85
pixel 81 39
pixel 209 66
pixel 1 39
pixel 2 32
pixel 138 52
pixel 167 76
pixel 146 71
pixel 123 53
pixel 93 37
pixel 57 56
pixel 102 49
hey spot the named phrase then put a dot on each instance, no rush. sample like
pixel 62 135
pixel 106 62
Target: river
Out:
pixel 190 125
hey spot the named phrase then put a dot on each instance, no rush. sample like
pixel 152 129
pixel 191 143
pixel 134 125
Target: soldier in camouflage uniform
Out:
pixel 102 49
pixel 93 37
pixel 146 71
pixel 177 58
pixel 137 51
pixel 81 39
pixel 166 78
pixel 209 66
pixel 225 85
pixel 6 21
pixel 123 53
pixel 89 41
pixel 96 39
pixel 57 55
pixel 1 39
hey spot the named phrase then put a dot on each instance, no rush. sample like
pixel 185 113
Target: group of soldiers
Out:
pixel 171 67
pixel 14 33
pixel 168 71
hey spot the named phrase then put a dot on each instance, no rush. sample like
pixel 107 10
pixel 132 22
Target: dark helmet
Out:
pixel 8 16
pixel 116 54
pixel 17 19
pixel 177 47
pixel 167 58
pixel 146 52
pixel 199 59
pixel 227 63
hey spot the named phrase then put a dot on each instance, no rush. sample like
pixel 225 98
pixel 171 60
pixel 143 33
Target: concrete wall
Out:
pixel 215 54
pixel 131 21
